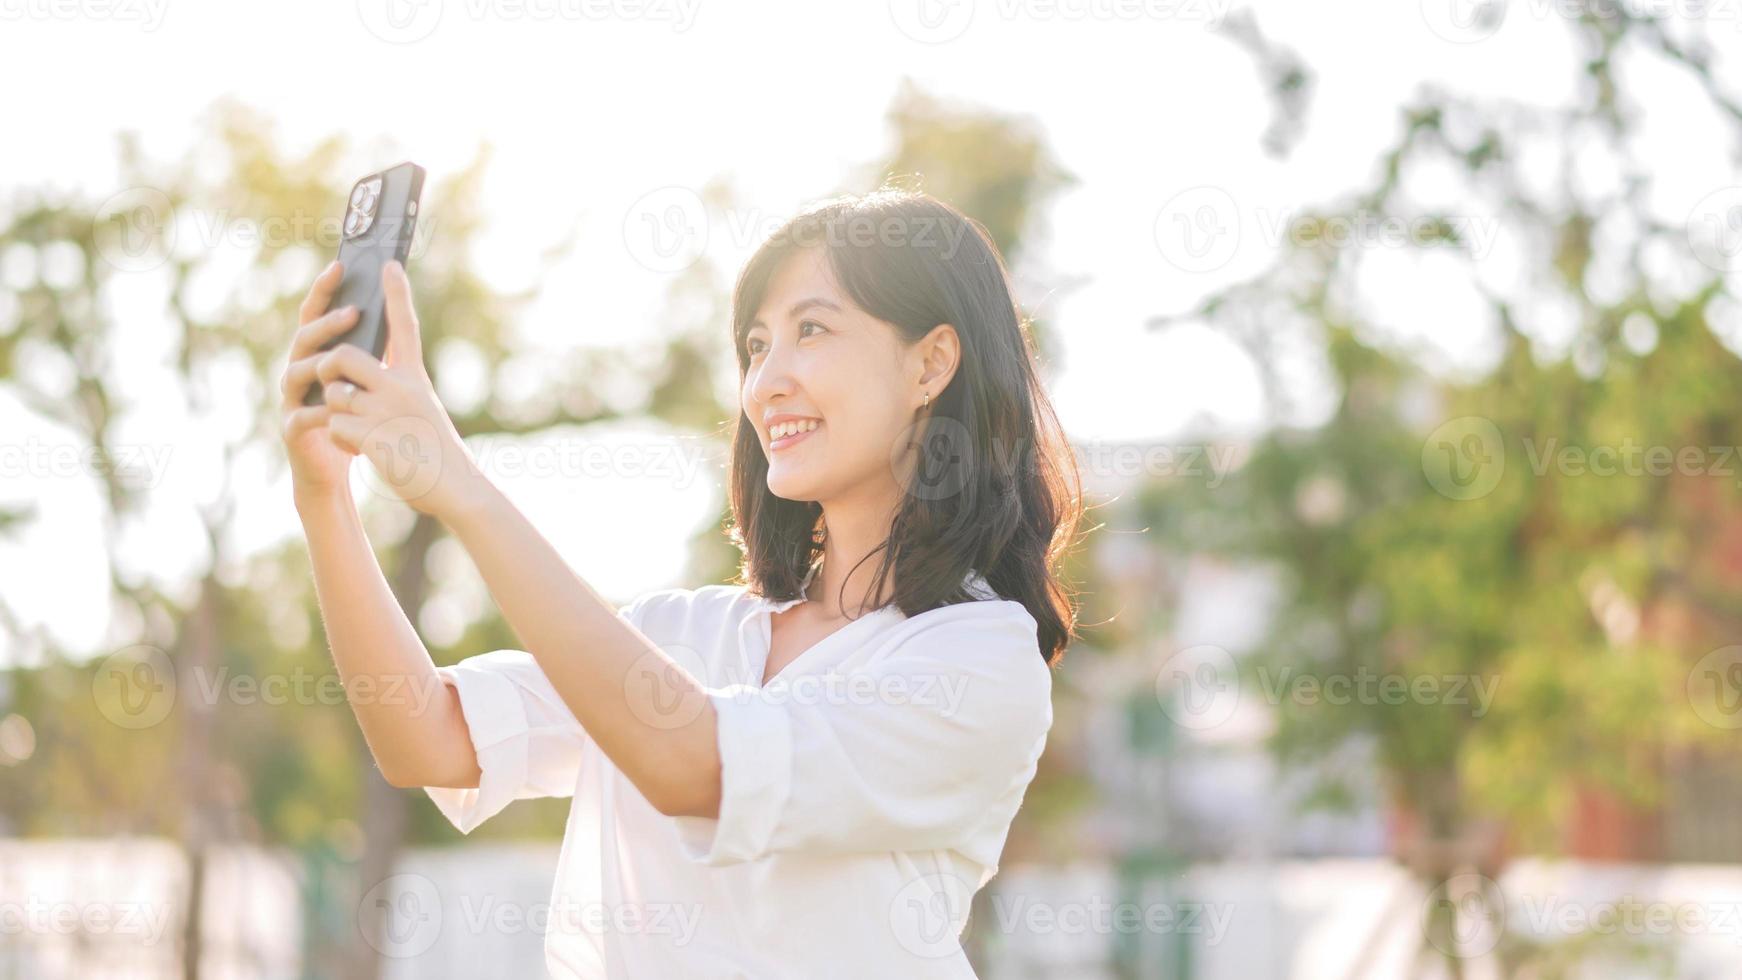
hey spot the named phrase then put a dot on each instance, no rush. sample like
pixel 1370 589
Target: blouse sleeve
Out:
pixel 528 742
pixel 925 749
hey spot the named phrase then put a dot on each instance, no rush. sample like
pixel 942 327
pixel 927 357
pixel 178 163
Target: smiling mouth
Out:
pixel 785 441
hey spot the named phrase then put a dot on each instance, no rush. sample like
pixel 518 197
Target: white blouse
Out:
pixel 866 791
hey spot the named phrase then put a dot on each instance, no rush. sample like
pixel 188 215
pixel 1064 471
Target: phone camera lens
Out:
pixel 355 222
pixel 357 194
pixel 370 198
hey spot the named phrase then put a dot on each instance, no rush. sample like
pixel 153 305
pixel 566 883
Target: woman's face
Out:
pixel 815 356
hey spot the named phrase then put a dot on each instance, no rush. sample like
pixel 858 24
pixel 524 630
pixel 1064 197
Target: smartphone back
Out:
pixel 380 216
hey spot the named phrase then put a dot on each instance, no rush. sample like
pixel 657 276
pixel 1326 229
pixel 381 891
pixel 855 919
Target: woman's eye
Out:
pixel 754 347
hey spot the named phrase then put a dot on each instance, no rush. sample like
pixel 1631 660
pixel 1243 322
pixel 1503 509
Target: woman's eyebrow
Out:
pixel 800 307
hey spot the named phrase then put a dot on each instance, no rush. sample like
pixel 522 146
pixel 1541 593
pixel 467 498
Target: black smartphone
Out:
pixel 380 216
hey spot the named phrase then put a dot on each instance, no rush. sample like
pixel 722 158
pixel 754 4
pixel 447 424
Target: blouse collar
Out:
pixel 780 605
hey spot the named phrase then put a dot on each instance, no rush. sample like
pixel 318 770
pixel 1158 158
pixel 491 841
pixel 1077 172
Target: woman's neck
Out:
pixel 842 585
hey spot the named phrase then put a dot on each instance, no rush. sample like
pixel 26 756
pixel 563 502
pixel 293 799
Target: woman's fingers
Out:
pixel 335 369
pixel 348 362
pixel 404 336
pixel 311 335
pixel 305 372
pixel 348 431
pixel 304 419
pixel 346 398
pixel 297 378
pixel 320 293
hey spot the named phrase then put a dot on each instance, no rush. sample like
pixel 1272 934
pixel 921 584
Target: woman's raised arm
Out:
pixel 590 653
pixel 409 716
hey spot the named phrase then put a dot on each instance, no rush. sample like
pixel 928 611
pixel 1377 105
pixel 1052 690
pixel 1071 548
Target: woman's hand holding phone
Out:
pixel 318 467
pixel 388 412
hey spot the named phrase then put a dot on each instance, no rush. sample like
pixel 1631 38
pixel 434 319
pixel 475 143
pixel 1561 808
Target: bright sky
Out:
pixel 589 113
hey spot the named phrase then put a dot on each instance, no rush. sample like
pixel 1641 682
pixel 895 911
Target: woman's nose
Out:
pixel 773 376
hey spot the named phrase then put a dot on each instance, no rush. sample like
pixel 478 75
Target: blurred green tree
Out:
pixel 1433 528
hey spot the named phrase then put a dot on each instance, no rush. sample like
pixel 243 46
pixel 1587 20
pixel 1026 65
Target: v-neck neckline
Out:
pixel 764 622
pixel 765 616
pixel 808 652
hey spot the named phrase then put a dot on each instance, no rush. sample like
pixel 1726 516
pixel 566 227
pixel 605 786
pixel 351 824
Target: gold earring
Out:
pixel 927 403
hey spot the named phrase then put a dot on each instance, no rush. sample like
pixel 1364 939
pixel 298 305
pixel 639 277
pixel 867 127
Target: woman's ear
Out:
pixel 939 353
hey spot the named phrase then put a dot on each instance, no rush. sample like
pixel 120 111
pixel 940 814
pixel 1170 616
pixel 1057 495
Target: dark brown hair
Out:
pixel 996 489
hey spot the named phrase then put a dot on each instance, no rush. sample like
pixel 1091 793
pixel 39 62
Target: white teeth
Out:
pixel 785 429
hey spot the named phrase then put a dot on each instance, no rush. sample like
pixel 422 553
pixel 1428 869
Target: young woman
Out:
pixel 831 774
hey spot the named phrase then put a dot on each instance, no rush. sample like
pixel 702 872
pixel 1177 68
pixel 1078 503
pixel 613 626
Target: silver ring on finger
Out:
pixel 341 393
